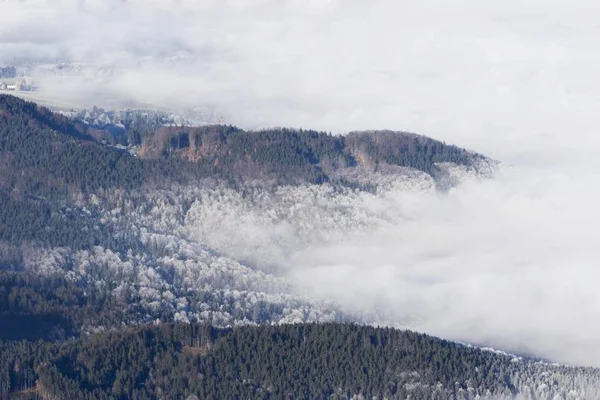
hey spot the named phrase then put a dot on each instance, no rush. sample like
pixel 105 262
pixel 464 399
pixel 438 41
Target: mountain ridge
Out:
pixel 196 226
pixel 286 156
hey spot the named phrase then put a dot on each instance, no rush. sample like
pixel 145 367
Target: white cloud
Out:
pixel 509 262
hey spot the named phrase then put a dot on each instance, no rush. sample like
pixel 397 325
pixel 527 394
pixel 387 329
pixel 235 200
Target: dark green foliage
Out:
pixel 46 154
pixel 407 150
pixel 39 221
pixel 296 156
pixel 32 219
pixel 294 361
pixel 49 155
pixel 32 307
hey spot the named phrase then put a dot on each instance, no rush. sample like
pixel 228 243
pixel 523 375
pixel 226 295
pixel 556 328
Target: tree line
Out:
pixel 307 361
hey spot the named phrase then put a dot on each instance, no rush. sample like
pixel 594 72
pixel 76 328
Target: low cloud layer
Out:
pixel 510 262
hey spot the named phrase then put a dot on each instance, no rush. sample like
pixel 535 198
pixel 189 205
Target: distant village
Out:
pixel 9 81
pixel 20 85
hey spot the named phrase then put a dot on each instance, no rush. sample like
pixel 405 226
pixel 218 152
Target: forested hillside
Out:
pixel 51 155
pixel 155 271
pixel 295 156
pixel 85 225
pixel 322 361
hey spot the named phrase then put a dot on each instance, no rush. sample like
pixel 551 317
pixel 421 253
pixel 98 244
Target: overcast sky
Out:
pixel 516 80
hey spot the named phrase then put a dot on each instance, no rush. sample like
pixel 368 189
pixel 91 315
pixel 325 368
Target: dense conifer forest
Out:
pixel 48 154
pixel 311 361
pixel 112 286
